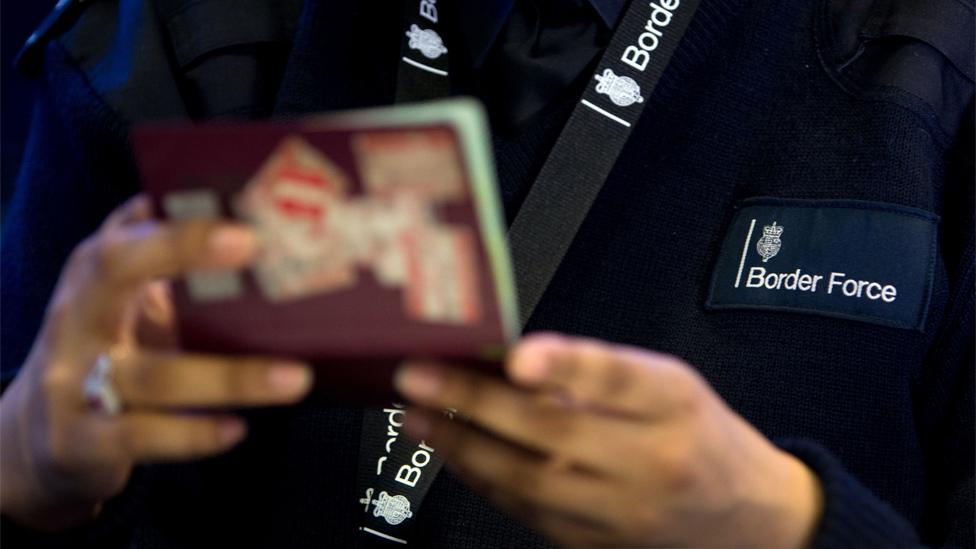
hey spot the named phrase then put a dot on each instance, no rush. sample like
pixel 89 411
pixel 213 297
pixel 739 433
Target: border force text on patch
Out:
pixel 859 260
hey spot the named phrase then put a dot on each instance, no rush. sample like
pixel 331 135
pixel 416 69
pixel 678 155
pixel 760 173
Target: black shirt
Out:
pixel 524 54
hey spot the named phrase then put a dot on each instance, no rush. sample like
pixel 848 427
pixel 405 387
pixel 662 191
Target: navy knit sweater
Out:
pixel 771 99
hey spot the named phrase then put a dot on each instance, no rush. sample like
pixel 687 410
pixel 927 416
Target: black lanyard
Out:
pixel 547 221
pixel 394 476
pixel 423 71
pixel 395 473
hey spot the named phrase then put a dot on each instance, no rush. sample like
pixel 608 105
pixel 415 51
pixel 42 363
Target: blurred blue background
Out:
pixel 17 21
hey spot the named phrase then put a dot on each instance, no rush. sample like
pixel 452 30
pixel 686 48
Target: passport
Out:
pixel 382 238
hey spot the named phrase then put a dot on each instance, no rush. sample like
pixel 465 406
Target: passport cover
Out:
pixel 382 237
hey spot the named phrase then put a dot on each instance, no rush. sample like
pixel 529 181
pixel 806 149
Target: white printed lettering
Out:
pixel 393 412
pixel 661 15
pixel 428 10
pixel 408 475
pixel 647 36
pixel 816 278
pixel 851 287
pixel 803 283
pixel 888 293
pixel 834 282
pixel 420 458
pixel 662 21
pixel 755 279
pixel 876 287
pixel 635 57
pixel 797 280
pixel 790 280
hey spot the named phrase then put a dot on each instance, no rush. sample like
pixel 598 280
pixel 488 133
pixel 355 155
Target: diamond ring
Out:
pixel 100 394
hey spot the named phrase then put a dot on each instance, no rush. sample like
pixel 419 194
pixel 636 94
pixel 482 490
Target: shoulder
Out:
pixel 64 14
pixel 133 54
pixel 916 54
pixel 113 45
pixel 85 29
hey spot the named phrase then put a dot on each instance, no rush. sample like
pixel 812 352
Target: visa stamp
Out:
pixel 291 201
pixel 421 162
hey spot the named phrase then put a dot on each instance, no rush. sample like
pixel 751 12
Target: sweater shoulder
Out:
pixel 118 48
pixel 133 54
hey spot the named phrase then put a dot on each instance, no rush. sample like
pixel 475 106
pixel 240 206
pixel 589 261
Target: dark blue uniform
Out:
pixel 845 111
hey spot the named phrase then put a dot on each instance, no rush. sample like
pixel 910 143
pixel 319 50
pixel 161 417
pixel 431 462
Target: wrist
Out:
pixel 801 502
pixel 23 497
pixel 15 491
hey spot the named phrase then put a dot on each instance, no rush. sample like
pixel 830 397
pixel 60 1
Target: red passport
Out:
pixel 382 238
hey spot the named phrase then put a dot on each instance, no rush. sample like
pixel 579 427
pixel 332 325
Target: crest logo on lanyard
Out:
pixel 624 91
pixel 426 41
pixel 769 245
pixel 393 509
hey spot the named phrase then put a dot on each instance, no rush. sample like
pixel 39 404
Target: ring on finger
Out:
pixel 99 391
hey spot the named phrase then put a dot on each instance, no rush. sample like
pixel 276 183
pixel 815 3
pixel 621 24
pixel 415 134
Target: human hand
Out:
pixel 599 444
pixel 60 458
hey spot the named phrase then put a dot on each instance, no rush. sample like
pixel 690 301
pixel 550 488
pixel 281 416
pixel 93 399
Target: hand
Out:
pixel 598 444
pixel 60 458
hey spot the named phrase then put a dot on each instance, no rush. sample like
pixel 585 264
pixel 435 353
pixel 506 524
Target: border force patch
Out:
pixel 865 261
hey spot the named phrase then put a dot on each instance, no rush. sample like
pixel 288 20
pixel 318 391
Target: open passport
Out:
pixel 382 237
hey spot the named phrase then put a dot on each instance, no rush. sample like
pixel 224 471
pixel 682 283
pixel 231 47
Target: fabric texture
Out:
pixel 755 103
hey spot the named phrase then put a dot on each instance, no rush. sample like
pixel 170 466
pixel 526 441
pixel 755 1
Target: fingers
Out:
pixel 535 420
pixel 138 208
pixel 108 270
pixel 616 378
pixel 194 381
pixel 131 249
pixel 145 437
pixel 500 470
pixel 155 304
pixel 137 253
pixel 155 319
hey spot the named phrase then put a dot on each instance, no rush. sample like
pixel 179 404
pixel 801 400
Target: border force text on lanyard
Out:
pixel 395 483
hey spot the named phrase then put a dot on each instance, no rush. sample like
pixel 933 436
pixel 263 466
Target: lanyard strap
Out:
pixel 423 68
pixel 394 472
pixel 557 203
pixel 395 483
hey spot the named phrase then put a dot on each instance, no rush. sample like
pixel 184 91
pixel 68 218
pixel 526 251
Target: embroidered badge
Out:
pixel 622 90
pixel 426 41
pixel 865 261
pixel 770 243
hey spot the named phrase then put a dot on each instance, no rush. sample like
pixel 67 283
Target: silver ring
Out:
pixel 100 393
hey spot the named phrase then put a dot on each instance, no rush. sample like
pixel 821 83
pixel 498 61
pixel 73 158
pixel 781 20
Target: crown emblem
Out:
pixel 770 243
pixel 622 90
pixel 427 41
pixel 393 509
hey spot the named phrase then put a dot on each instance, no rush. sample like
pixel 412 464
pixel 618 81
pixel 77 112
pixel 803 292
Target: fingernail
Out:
pixel 232 243
pixel 418 382
pixel 231 430
pixel 289 379
pixel 531 363
pixel 532 368
pixel 417 426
